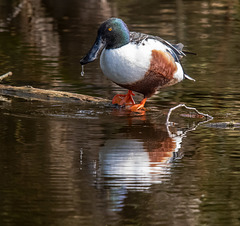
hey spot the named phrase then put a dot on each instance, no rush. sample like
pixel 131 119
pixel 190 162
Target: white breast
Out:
pixel 129 63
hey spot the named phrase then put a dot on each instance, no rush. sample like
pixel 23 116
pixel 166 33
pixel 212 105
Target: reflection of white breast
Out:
pixel 121 158
pixel 126 163
pixel 129 63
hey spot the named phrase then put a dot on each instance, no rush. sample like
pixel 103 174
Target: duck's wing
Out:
pixel 176 49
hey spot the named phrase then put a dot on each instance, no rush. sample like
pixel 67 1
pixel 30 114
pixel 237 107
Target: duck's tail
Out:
pixel 179 47
pixel 187 52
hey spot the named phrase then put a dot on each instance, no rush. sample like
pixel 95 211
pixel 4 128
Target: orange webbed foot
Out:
pixel 124 99
pixel 137 107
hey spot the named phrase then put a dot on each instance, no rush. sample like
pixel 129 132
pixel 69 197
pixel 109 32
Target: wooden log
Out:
pixel 30 93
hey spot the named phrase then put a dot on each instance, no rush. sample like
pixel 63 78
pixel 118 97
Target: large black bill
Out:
pixel 93 52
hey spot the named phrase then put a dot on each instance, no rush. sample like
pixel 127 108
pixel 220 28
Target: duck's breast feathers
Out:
pixel 126 64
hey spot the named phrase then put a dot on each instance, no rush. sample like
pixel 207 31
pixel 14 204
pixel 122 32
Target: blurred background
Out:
pixel 64 164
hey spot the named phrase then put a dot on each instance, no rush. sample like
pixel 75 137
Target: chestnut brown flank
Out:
pixel 163 64
pixel 159 74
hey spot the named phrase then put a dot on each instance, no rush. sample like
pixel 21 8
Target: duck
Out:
pixel 136 61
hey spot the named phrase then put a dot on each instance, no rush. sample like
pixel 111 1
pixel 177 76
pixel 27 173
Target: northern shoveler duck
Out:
pixel 136 61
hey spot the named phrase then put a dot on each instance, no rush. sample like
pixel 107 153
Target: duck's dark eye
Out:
pixel 110 29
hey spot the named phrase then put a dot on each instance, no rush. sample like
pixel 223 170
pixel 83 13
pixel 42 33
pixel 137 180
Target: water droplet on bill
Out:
pixel 82 72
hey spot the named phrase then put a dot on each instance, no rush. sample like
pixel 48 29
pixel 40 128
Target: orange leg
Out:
pixel 140 106
pixel 124 99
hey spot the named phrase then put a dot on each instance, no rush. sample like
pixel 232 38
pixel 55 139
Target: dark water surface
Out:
pixel 65 164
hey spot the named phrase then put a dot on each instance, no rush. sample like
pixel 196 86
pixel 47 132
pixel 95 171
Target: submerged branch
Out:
pixel 199 114
pixel 195 125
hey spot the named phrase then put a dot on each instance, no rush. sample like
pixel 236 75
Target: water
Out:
pixel 68 164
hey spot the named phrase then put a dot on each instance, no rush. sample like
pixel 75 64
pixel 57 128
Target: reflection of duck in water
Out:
pixel 136 61
pixel 135 162
pixel 141 159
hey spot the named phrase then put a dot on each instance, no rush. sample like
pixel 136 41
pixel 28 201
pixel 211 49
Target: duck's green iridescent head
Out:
pixel 115 32
pixel 112 34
